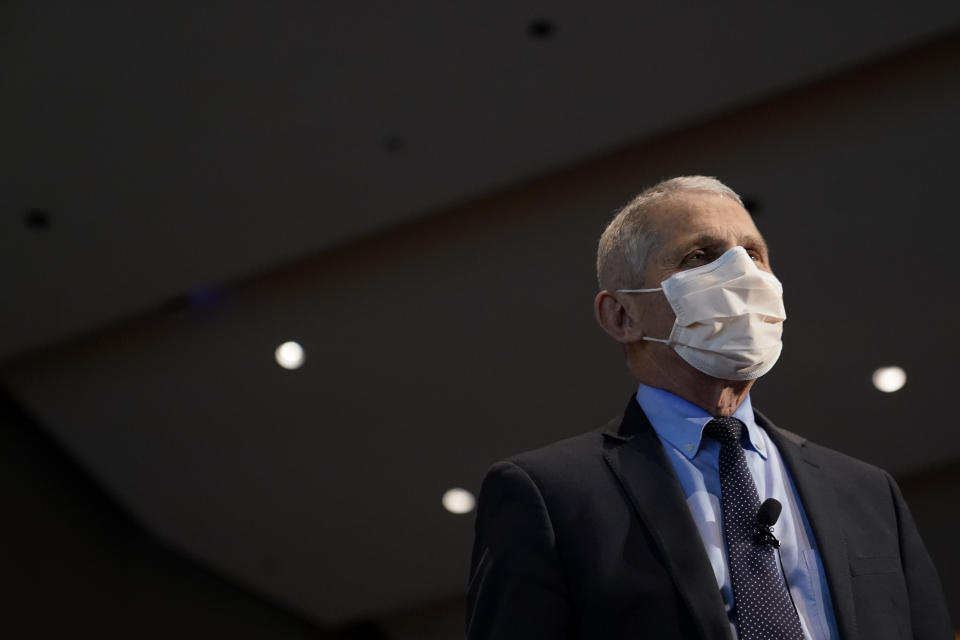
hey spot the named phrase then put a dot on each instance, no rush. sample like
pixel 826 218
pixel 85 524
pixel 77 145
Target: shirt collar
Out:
pixel 681 423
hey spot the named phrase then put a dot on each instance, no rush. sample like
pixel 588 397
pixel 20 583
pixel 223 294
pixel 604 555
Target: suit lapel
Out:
pixel 819 498
pixel 636 457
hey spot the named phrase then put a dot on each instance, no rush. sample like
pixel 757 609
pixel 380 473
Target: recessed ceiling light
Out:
pixel 394 144
pixel 37 219
pixel 541 29
pixel 458 501
pixel 889 379
pixel 289 355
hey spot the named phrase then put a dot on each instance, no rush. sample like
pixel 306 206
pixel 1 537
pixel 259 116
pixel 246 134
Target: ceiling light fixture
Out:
pixel 889 379
pixel 37 219
pixel 541 29
pixel 459 501
pixel 289 355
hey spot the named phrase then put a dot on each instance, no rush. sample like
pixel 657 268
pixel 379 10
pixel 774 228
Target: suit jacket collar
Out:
pixel 634 454
pixel 819 498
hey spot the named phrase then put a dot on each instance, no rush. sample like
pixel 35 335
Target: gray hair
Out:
pixel 628 240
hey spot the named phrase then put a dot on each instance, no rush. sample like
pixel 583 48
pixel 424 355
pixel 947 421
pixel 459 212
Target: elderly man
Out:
pixel 693 516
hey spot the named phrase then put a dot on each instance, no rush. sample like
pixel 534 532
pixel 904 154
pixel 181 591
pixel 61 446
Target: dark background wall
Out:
pixel 73 564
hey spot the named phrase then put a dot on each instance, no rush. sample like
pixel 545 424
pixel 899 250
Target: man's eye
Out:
pixel 696 256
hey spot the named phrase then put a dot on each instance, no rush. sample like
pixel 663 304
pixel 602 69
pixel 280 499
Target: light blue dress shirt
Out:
pixel 679 425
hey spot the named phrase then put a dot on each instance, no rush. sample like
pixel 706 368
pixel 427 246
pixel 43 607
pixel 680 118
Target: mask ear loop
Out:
pixel 647 338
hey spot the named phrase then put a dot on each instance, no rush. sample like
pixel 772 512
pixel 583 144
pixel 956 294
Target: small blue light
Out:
pixel 205 297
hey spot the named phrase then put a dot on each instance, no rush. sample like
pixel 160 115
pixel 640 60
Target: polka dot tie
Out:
pixel 762 604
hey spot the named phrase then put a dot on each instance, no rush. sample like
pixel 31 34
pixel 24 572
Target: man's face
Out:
pixel 693 229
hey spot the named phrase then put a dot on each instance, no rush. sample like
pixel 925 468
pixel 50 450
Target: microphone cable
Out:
pixel 767 516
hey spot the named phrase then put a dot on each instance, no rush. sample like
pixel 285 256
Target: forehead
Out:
pixel 682 216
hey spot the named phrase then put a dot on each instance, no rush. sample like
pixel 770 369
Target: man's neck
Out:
pixel 724 400
pixel 717 397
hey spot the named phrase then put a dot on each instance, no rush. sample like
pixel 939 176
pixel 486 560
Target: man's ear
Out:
pixel 615 319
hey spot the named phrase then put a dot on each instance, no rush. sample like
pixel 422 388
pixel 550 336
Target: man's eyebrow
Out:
pixel 752 241
pixel 709 240
pixel 702 240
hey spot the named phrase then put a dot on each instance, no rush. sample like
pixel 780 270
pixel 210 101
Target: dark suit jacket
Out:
pixel 591 537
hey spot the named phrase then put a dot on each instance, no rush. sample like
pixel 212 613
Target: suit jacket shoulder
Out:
pixel 565 464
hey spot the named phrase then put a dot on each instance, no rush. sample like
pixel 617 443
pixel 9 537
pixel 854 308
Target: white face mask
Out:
pixel 729 316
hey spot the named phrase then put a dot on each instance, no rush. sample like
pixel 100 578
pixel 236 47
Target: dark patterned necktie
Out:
pixel 763 606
